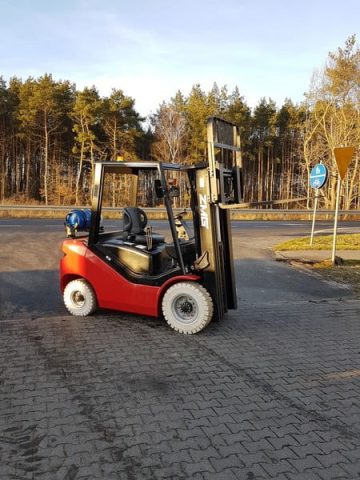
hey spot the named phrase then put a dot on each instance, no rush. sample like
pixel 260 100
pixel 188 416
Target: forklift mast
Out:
pixel 216 188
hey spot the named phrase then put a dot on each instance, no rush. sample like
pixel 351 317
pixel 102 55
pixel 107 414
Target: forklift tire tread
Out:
pixel 187 307
pixel 79 298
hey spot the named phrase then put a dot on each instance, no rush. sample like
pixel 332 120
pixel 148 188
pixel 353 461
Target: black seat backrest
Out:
pixel 134 221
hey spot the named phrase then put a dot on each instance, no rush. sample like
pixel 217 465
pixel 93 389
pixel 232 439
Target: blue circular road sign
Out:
pixel 318 176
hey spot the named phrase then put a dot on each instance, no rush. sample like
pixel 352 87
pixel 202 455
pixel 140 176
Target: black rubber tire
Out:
pixel 79 298
pixel 187 307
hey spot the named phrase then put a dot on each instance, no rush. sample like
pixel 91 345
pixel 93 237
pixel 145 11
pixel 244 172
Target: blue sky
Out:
pixel 150 49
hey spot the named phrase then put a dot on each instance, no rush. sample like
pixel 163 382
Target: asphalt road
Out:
pixel 30 252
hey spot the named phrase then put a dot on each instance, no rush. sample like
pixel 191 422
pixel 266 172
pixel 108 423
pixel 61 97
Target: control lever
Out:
pixel 149 238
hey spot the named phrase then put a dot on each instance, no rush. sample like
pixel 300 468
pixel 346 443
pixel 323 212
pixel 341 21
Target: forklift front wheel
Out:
pixel 187 307
pixel 79 298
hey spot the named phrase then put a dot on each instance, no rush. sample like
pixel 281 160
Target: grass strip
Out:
pixel 323 242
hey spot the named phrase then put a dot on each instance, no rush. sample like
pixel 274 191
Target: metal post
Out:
pixel 336 220
pixel 314 216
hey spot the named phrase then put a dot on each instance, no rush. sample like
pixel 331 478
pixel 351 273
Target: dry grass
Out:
pixel 324 242
pixel 261 215
pixel 347 273
pixel 31 214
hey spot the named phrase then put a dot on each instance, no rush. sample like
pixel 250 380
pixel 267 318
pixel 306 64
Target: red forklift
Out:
pixel 187 279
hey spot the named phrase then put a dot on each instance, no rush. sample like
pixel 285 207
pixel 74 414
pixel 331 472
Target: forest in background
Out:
pixel 51 134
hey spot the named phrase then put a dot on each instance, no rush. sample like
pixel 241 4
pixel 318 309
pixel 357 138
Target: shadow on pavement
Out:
pixel 32 292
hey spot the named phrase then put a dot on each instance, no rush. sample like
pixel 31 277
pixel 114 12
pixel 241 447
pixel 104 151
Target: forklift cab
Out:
pixel 157 260
pixel 135 269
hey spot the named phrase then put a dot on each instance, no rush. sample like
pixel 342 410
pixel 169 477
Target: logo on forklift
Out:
pixel 204 217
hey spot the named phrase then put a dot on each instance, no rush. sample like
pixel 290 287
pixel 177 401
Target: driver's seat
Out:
pixel 134 225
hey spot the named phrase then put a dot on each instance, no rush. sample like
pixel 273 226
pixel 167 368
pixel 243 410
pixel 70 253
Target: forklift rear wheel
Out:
pixel 187 307
pixel 79 298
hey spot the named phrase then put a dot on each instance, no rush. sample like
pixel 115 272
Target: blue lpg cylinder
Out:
pixel 78 220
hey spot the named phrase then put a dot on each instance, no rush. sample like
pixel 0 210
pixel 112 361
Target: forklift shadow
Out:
pixel 30 292
pixel 130 320
pixel 118 319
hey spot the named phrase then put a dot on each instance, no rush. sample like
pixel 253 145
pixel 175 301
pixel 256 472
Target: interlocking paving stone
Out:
pixel 271 392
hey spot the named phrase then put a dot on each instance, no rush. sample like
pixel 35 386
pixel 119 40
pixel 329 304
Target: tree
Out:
pixel 7 135
pixel 179 102
pixel 44 104
pixel 334 118
pixel 196 113
pixel 170 132
pixel 85 115
pixel 121 124
pixel 288 152
pixel 263 136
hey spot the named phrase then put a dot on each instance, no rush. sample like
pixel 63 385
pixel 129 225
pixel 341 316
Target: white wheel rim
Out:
pixel 185 308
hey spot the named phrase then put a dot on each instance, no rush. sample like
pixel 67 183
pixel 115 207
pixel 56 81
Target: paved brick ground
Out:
pixel 271 393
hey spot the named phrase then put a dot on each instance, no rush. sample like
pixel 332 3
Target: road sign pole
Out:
pixel 317 179
pixel 314 216
pixel 343 156
pixel 336 220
